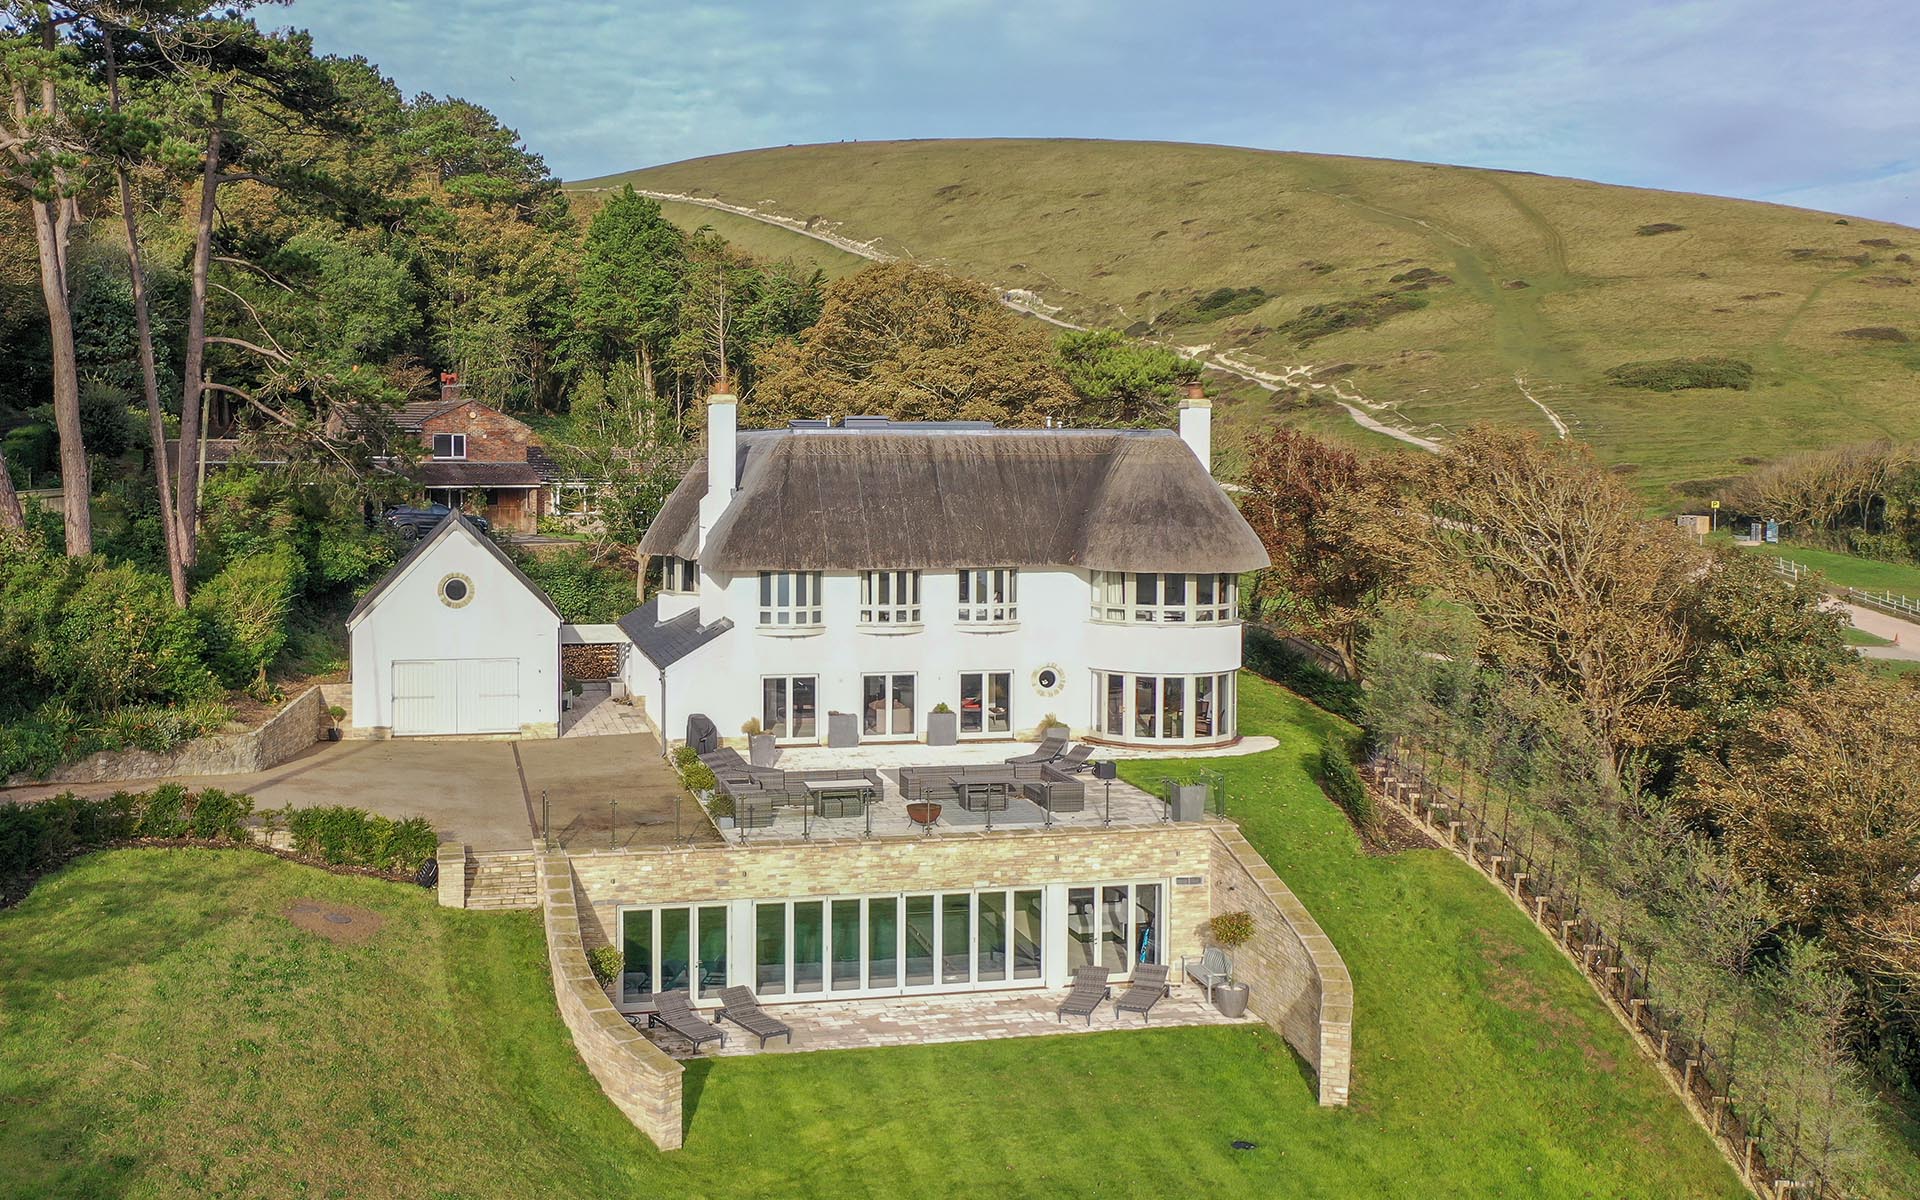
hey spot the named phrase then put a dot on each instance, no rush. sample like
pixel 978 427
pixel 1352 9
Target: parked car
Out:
pixel 412 520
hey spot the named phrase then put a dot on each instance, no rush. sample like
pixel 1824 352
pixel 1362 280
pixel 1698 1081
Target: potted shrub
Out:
pixel 604 962
pixel 1230 931
pixel 943 725
pixel 1052 726
pixel 760 749
pixel 335 715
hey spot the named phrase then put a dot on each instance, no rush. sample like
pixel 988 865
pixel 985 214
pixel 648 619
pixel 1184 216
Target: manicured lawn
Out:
pixel 165 1032
pixel 1847 570
pixel 1860 637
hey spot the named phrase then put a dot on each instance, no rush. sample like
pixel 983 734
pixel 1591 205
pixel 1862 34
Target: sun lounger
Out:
pixel 1049 750
pixel 742 1007
pixel 1074 760
pixel 1149 985
pixel 675 1011
pixel 1090 990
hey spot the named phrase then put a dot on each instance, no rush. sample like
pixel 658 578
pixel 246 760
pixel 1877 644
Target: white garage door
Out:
pixel 456 695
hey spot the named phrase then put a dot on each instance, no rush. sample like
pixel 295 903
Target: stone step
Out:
pixel 502 881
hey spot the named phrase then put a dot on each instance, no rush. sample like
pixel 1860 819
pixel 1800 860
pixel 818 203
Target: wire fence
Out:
pixel 1550 889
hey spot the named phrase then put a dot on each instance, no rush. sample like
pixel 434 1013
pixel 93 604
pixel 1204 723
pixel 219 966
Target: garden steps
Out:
pixel 502 880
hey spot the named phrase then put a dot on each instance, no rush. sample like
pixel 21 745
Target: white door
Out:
pixel 456 695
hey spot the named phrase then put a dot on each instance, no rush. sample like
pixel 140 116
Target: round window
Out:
pixel 456 590
pixel 1047 680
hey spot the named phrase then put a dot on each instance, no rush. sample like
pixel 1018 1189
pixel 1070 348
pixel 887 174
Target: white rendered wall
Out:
pixel 723 679
pixel 502 620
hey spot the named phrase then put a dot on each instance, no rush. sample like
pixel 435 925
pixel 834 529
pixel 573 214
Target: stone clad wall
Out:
pixel 294 728
pixel 1299 985
pixel 608 879
pixel 639 1077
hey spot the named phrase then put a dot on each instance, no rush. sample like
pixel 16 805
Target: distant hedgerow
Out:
pixel 1321 320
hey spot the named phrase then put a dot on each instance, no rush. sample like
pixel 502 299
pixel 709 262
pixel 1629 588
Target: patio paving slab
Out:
pixel 927 1020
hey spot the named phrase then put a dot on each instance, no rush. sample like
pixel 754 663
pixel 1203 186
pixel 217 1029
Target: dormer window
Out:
pixel 790 600
pixel 679 576
pixel 449 445
pixel 889 597
pixel 989 596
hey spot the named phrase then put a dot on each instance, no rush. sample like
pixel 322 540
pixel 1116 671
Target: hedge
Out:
pixel 1343 784
pixel 356 837
pixel 38 836
pixel 1272 658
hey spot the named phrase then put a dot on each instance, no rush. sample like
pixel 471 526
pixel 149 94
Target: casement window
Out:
pixel 889 597
pixel 790 600
pixel 1149 598
pixel 449 445
pixel 1163 708
pixel 986 701
pixel 679 575
pixel 989 596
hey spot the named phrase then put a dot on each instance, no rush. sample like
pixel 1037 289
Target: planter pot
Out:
pixel 333 733
pixel 1231 999
pixel 943 728
pixel 1188 801
pixel 760 749
pixel 843 730
pixel 1059 731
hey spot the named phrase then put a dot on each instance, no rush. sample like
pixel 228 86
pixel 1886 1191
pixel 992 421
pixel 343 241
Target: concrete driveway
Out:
pixel 486 794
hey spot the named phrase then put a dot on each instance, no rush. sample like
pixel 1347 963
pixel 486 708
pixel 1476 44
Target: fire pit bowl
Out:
pixel 923 815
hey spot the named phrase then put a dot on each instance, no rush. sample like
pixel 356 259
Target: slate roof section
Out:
pixel 413 416
pixel 472 473
pixel 937 499
pixel 440 533
pixel 667 642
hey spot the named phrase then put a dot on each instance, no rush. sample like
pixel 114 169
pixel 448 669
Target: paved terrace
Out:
pixel 925 1020
pixel 888 818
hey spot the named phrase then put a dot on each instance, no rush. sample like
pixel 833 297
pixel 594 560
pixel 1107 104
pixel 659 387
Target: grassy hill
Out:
pixel 1440 291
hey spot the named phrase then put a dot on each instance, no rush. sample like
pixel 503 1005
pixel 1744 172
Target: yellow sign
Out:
pixel 1715 504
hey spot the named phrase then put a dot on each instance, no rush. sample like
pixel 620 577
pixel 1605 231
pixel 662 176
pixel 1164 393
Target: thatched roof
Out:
pixel 935 499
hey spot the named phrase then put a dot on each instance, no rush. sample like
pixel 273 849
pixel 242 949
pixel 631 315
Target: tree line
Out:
pixel 1687 723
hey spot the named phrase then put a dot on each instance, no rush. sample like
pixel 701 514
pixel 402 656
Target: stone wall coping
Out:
pixel 959 837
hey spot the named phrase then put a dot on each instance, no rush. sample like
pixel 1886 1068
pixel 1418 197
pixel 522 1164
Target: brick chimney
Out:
pixel 1196 424
pixel 450 392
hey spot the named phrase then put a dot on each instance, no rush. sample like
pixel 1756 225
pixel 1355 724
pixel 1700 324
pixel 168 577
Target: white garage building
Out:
pixel 455 640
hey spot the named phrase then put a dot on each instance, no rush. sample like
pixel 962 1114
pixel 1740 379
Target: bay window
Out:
pixel 1151 598
pixel 889 597
pixel 790 599
pixel 1163 708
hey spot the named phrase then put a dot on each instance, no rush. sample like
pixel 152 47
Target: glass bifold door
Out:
pixel 1116 925
pixel 683 947
pixel 882 944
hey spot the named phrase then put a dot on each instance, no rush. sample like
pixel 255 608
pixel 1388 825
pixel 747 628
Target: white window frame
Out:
pixel 890 598
pixel 679 576
pixel 890 698
pixel 977 587
pixel 456 447
pixel 1117 598
pixel 790 601
pixel 589 499
pixel 984 733
pixel 785 733
pixel 1223 716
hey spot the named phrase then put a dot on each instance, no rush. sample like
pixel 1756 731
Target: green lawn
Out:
pixel 165 1032
pixel 1848 570
pixel 1860 637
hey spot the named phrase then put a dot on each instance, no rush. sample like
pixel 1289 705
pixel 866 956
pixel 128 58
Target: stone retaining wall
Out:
pixel 640 1079
pixel 294 728
pixel 1299 985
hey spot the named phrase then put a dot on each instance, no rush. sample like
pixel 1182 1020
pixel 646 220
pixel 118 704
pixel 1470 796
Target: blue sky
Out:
pixel 1811 102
